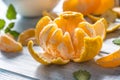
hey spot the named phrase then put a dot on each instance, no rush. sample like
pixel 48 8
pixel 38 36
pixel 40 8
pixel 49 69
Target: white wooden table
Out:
pixel 21 66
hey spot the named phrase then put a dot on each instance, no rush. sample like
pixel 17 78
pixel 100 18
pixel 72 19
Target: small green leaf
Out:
pixel 82 75
pixel 14 33
pixel 11 12
pixel 2 24
pixel 7 30
pixel 11 25
pixel 116 41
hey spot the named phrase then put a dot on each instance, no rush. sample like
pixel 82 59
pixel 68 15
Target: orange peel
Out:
pixel 111 60
pixel 26 36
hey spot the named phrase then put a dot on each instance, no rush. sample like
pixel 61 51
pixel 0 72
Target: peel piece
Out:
pixel 112 27
pixel 92 47
pixel 111 60
pixel 45 58
pixel 26 36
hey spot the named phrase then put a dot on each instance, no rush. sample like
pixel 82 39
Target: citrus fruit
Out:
pixel 68 37
pixel 104 6
pixel 96 7
pixel 83 6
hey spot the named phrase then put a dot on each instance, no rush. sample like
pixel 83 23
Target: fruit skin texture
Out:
pixel 111 60
pixel 96 7
pixel 8 44
pixel 83 6
pixel 104 6
pixel 65 39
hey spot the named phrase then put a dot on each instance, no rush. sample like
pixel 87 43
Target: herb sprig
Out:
pixel 10 15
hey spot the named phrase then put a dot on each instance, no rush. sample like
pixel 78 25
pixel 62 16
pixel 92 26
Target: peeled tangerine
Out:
pixel 67 38
pixel 8 44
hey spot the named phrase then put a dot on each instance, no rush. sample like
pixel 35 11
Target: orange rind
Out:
pixel 110 61
pixel 26 36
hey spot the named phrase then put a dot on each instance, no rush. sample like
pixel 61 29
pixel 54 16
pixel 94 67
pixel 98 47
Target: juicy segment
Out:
pixel 43 22
pixel 8 44
pixel 69 21
pixel 88 28
pixel 78 41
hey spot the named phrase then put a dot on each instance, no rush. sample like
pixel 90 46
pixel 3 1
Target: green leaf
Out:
pixel 2 24
pixel 11 12
pixel 14 33
pixel 116 41
pixel 11 25
pixel 82 75
pixel 7 30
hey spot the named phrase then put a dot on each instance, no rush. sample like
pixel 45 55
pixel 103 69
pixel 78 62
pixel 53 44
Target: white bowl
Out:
pixel 32 8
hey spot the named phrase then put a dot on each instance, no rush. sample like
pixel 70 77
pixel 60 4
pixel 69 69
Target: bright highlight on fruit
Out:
pixel 68 37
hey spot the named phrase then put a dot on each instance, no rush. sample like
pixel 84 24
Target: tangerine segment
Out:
pixel 45 58
pixel 54 41
pixel 27 35
pixel 45 34
pixel 100 28
pixel 40 25
pixel 92 47
pixel 8 44
pixel 78 41
pixel 83 6
pixel 68 21
pixel 112 60
pixel 104 6
pixel 88 28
